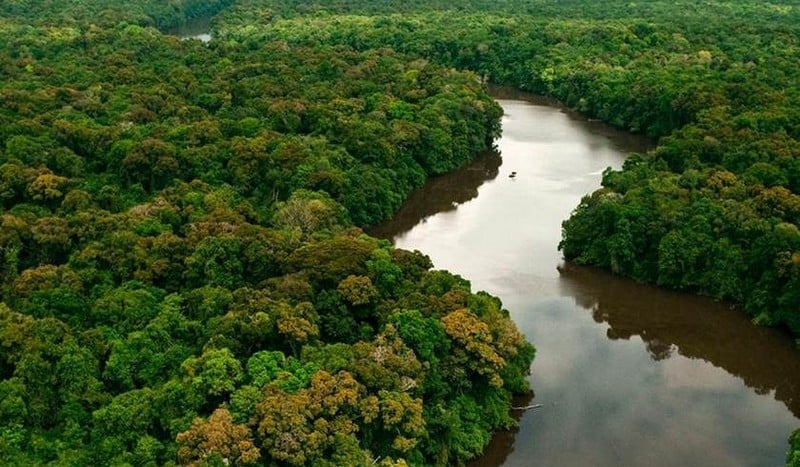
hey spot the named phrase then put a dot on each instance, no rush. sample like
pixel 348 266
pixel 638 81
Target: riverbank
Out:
pixel 622 368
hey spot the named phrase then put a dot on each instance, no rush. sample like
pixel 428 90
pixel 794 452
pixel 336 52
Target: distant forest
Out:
pixel 183 277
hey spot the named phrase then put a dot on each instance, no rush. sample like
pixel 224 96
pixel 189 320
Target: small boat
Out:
pixel 513 174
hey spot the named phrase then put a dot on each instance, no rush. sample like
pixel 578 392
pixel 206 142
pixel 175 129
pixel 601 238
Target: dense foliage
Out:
pixel 715 208
pixel 793 456
pixel 161 14
pixel 181 280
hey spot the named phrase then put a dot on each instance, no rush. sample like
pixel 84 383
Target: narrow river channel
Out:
pixel 196 28
pixel 627 375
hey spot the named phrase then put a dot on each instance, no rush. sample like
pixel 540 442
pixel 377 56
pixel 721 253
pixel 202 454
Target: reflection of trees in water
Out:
pixel 502 443
pixel 695 327
pixel 441 194
pixel 624 141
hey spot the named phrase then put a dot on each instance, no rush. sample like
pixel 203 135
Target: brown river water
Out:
pixel 627 374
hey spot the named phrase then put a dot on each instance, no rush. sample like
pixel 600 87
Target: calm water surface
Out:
pixel 196 28
pixel 628 375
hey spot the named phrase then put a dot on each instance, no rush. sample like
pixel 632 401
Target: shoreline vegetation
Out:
pixel 713 209
pixel 181 278
pixel 182 281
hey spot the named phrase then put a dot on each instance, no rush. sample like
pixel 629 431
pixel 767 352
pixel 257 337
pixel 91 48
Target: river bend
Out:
pixel 626 374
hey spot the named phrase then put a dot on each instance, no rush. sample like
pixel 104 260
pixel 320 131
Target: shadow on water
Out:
pixel 654 377
pixel 626 141
pixel 440 194
pixel 195 28
pixel 695 327
pixel 502 443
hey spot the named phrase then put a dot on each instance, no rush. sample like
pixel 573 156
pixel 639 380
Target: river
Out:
pixel 627 374
pixel 195 28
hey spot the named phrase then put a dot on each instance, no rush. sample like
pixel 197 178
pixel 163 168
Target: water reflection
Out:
pixel 502 444
pixel 594 133
pixel 646 377
pixel 441 194
pixel 195 28
pixel 694 327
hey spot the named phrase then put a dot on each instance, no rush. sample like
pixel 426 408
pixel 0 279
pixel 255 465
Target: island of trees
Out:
pixel 182 279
